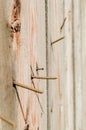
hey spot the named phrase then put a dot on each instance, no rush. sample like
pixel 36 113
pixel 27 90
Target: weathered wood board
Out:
pixel 28 46
pixel 30 52
pixel 7 95
pixel 83 48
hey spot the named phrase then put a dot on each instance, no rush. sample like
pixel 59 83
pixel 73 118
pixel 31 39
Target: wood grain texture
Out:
pixel 54 97
pixel 69 82
pixel 27 54
pixel 62 105
pixel 77 63
pixel 83 43
pixel 7 94
pixel 60 61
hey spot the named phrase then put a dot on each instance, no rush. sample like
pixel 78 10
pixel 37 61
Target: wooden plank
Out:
pixel 69 82
pixel 41 60
pixel 64 113
pixel 83 42
pixel 7 95
pixel 62 21
pixel 77 64
pixel 28 51
pixel 54 97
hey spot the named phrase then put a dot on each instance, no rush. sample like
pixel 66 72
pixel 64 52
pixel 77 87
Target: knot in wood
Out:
pixel 16 26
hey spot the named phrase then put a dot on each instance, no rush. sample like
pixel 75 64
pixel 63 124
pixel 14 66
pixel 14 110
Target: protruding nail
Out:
pixel 27 87
pixel 43 78
pixel 63 24
pixel 37 69
pixel 7 120
pixel 57 40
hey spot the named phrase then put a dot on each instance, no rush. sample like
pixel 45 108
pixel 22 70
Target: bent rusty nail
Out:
pixel 27 87
pixel 63 24
pixel 7 120
pixel 57 40
pixel 44 78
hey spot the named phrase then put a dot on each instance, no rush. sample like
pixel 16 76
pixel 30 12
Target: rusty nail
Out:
pixel 57 40
pixel 63 24
pixel 48 78
pixel 27 87
pixel 7 120
pixel 37 69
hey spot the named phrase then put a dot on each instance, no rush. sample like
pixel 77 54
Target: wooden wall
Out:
pixel 62 105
